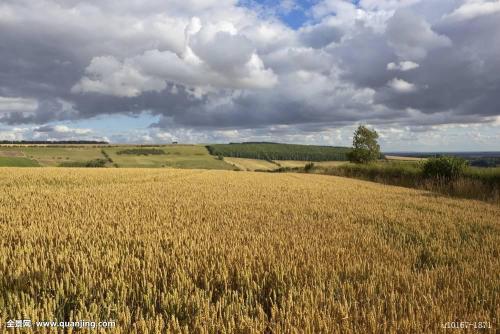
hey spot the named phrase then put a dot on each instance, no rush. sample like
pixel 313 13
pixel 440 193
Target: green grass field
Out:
pixel 53 156
pixel 17 162
pixel 176 156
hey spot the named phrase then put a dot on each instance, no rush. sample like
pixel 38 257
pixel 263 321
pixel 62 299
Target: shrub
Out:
pixel 106 155
pixel 308 167
pixel 444 167
pixel 141 151
pixel 97 163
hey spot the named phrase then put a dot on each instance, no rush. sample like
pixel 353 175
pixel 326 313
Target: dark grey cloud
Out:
pixel 320 35
pixel 460 79
pixel 211 64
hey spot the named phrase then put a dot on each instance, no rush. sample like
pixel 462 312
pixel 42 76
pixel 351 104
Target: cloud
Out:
pixel 215 56
pixel 14 133
pixel 62 129
pixel 412 37
pixel 402 66
pixel 386 4
pixel 401 86
pixel 221 66
pixel 320 35
pixel 341 8
pixel 106 75
pixel 14 104
pixel 473 9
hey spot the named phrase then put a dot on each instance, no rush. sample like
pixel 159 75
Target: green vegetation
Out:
pixel 472 182
pixel 274 151
pixel 97 163
pixel 444 167
pixel 142 151
pixel 17 162
pixel 308 167
pixel 365 147
pixel 172 156
pixel 108 158
pixel 54 155
pixel 175 156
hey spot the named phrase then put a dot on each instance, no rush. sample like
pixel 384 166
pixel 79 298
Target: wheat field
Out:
pixel 192 251
pixel 251 164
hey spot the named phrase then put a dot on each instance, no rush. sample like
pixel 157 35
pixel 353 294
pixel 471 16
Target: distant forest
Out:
pixel 274 151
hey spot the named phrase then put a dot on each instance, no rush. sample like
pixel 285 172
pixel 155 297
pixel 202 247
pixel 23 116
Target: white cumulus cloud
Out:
pixel 474 8
pixel 401 86
pixel 402 66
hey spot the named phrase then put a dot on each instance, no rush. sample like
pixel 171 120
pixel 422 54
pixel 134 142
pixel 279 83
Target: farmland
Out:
pixel 173 156
pixel 193 251
pixel 298 164
pixel 252 164
pixel 17 162
pixel 53 156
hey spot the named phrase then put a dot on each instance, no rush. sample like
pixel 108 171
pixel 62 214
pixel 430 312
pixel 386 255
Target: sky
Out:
pixel 424 74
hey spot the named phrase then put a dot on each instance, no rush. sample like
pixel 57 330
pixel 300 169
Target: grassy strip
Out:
pixel 108 158
pixel 97 163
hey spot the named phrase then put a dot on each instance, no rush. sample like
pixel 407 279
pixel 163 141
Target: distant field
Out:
pixel 176 156
pixel 17 162
pixel 251 164
pixel 264 165
pixel 11 153
pixel 53 156
pixel 192 251
pixel 271 151
pixel 395 157
pixel 298 164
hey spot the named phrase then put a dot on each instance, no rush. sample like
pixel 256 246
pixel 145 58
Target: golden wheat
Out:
pixel 172 251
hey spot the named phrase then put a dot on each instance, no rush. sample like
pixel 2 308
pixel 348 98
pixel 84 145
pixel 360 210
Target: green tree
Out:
pixel 365 147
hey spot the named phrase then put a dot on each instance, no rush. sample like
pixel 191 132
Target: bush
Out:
pixel 142 151
pixel 308 167
pixel 444 167
pixel 97 163
pixel 106 155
